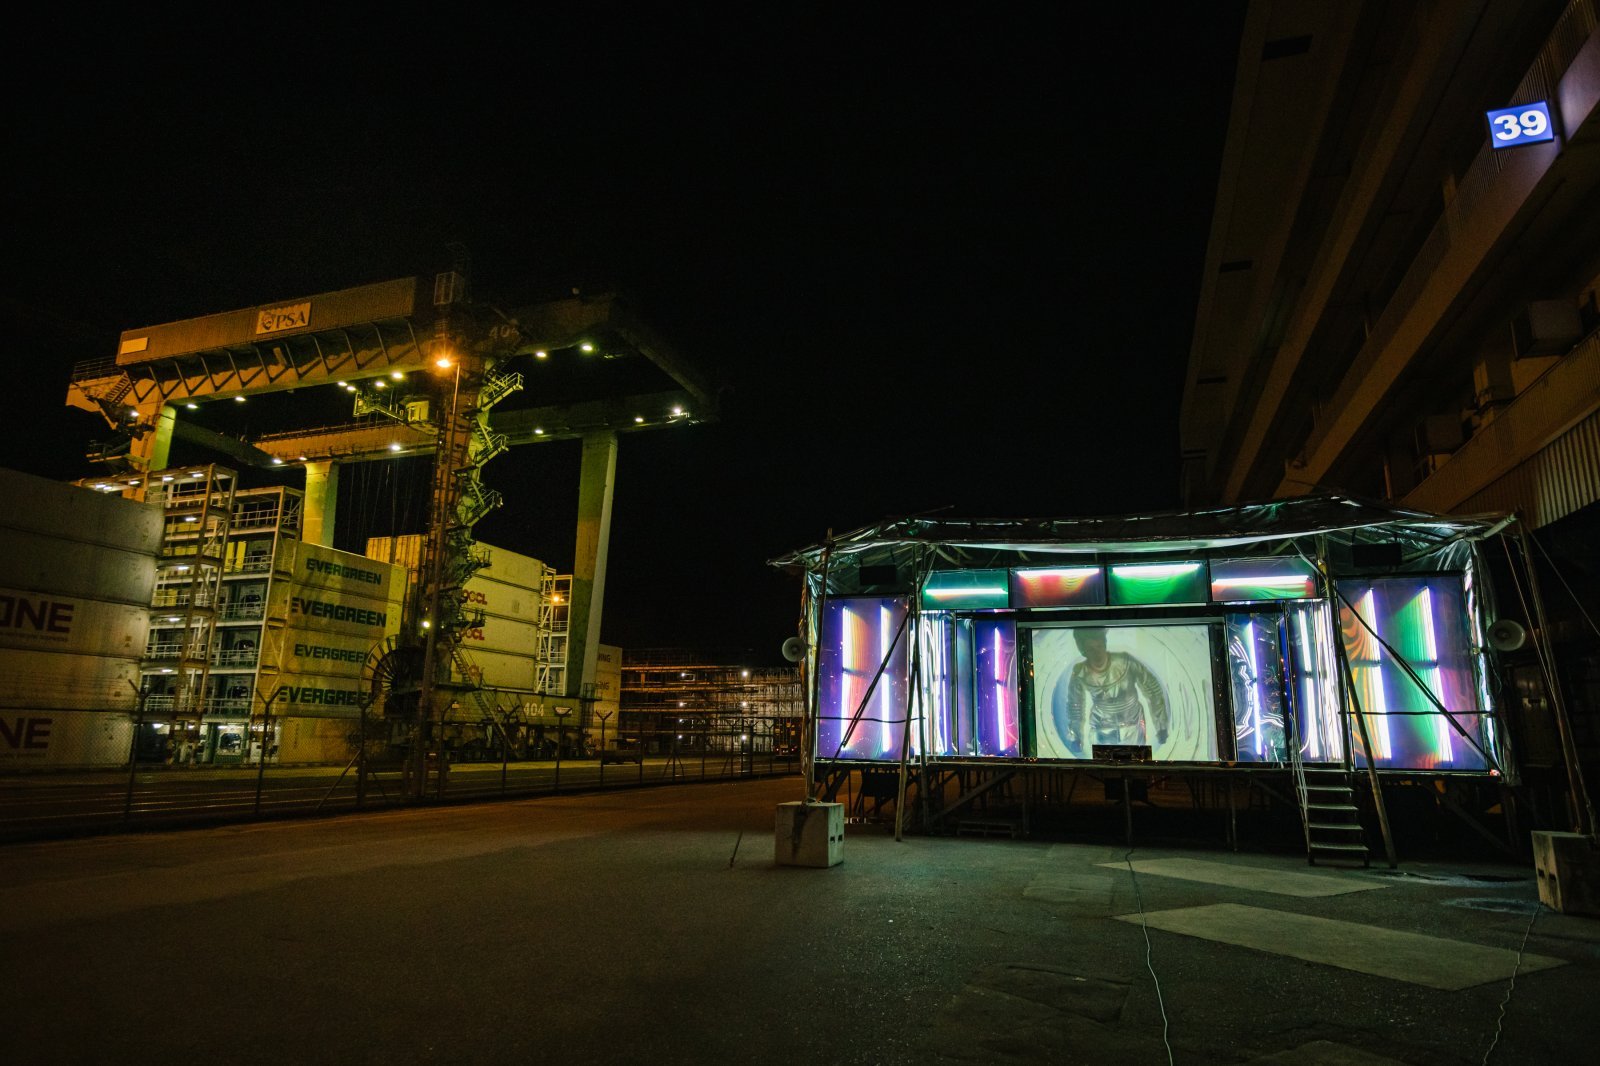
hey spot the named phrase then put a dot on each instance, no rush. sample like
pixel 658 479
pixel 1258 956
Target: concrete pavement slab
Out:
pixel 1258 879
pixel 1424 960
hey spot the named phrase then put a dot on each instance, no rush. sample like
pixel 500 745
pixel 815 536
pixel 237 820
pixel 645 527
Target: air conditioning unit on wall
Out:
pixel 1546 327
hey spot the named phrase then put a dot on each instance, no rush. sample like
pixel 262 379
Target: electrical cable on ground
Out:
pixel 1149 965
pixel 1499 1022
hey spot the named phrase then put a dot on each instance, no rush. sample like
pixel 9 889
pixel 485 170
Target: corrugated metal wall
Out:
pixel 1562 478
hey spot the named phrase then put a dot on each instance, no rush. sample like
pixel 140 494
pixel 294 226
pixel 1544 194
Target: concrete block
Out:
pixel 809 834
pixel 1568 865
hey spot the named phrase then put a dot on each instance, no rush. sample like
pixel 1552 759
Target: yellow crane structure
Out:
pixel 424 367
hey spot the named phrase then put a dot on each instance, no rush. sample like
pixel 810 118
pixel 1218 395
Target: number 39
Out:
pixel 1527 124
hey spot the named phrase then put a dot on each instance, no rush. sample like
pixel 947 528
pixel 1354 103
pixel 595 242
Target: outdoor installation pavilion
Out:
pixel 1325 640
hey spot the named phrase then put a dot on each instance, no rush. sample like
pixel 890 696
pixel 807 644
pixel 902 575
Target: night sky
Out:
pixel 937 261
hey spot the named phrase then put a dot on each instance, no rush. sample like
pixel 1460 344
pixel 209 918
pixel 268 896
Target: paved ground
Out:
pixel 625 927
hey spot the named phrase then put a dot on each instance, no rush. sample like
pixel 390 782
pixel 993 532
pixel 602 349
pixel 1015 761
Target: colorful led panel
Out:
pixel 1255 674
pixel 1137 584
pixel 1408 641
pixel 965 590
pixel 994 687
pixel 936 683
pixel 861 713
pixel 1313 683
pixel 1128 684
pixel 1059 586
pixel 1246 580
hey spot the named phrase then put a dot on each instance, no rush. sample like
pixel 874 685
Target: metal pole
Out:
pixel 603 719
pixel 812 705
pixel 505 748
pixel 133 749
pixel 1578 793
pixel 561 740
pixel 266 728
pixel 361 757
pixel 442 476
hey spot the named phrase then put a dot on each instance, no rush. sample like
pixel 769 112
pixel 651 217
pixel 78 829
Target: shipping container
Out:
pixel 502 635
pixel 512 568
pixel 42 562
pixel 299 650
pixel 70 624
pixel 61 680
pixel 501 599
pixel 37 738
pixel 315 740
pixel 68 512
pixel 315 696
pixel 498 670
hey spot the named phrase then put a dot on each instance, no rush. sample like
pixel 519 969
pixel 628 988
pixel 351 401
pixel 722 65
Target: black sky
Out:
pixel 939 260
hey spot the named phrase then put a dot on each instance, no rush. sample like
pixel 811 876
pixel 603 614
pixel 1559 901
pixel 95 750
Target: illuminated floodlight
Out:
pixel 426 624
pixel 276 461
pixel 638 418
pixel 380 384
pixel 538 431
pixel 678 410
pixel 192 406
pixel 394 447
pixel 192 473
pixel 585 347
pixel 191 518
pixel 541 354
pixel 443 362
pixel 238 399
pixel 342 384
pixel 133 481
pixel 166 477
pixel 302 459
pixel 397 375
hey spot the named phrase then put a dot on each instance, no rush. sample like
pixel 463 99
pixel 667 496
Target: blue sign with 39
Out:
pixel 1513 127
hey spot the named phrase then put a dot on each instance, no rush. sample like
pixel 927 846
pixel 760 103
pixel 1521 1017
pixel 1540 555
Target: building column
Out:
pixel 322 497
pixel 150 451
pixel 596 487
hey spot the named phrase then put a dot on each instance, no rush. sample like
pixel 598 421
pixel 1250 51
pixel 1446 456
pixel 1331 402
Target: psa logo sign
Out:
pixel 278 319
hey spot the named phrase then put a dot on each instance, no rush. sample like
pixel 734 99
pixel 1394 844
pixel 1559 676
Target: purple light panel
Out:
pixel 855 718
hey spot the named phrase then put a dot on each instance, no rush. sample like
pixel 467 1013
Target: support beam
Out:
pixel 596 487
pixel 152 450
pixel 322 495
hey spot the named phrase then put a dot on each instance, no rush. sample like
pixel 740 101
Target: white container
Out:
pixel 501 599
pixel 45 562
pixel 498 670
pixel 33 621
pixel 67 512
pixel 66 681
pixel 808 834
pixel 502 635
pixel 37 738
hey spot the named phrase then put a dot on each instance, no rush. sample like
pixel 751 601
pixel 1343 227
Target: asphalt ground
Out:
pixel 653 926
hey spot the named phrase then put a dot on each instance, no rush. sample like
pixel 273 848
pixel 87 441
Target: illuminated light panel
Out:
pixel 1430 672
pixel 994 681
pixel 972 589
pixel 885 718
pixel 1246 580
pixel 1059 586
pixel 1135 584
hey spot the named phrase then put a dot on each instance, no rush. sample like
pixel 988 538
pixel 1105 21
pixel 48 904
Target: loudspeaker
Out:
pixel 794 649
pixel 1507 635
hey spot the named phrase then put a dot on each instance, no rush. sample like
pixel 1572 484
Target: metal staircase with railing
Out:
pixel 1329 814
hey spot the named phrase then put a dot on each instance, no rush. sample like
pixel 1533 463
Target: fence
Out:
pixel 66 772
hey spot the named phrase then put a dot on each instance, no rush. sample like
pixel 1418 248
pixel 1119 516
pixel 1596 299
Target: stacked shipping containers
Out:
pixel 502 653
pixel 77 570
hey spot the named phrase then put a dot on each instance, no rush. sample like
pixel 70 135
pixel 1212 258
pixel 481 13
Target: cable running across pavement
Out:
pixel 1499 1022
pixel 1148 951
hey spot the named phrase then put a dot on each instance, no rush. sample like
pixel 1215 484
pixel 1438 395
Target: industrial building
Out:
pixel 694 700
pixel 1401 293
